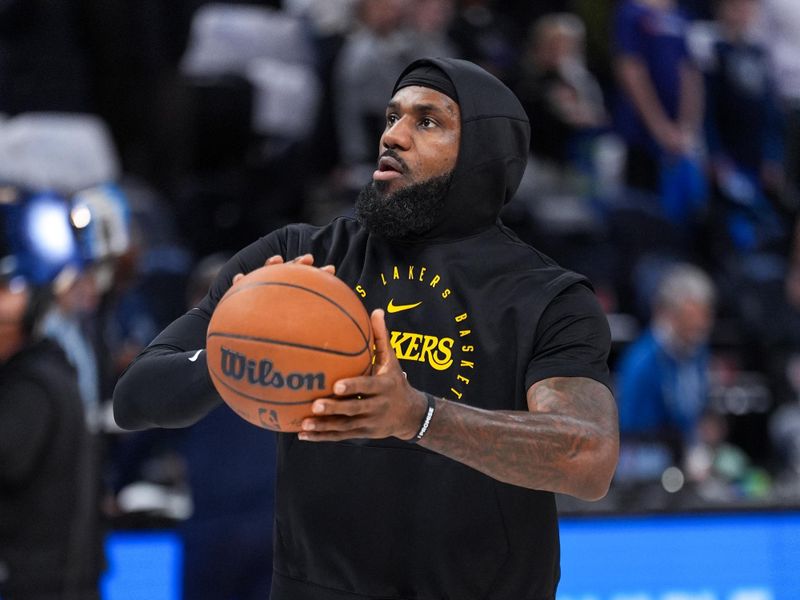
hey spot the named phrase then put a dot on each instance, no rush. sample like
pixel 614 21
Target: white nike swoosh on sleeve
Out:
pixel 195 355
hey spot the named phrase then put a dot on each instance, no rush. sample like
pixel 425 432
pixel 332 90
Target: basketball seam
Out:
pixel 300 287
pixel 250 338
pixel 369 366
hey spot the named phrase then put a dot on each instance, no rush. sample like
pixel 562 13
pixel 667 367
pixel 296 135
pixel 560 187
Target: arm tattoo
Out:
pixel 567 442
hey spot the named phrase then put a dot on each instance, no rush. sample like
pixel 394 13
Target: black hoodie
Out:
pixel 385 518
pixel 50 530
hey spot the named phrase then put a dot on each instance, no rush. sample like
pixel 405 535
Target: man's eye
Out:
pixel 426 122
pixel 391 119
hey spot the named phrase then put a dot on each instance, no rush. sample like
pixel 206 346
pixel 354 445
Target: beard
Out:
pixel 406 213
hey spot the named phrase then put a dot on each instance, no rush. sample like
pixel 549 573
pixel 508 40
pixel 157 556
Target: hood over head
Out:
pixel 494 146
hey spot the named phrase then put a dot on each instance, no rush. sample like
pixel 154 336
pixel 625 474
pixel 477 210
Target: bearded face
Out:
pixel 407 212
pixel 417 156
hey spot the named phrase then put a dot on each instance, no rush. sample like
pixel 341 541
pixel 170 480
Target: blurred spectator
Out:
pixel 67 323
pixel 50 534
pixel 780 32
pixel 430 21
pixel 484 35
pixel 380 46
pixel 252 100
pixel 744 124
pixel 230 466
pixel 147 292
pixel 750 227
pixel 327 17
pixel 663 381
pixel 561 97
pixel 150 277
pixel 73 154
pixel 556 203
pixel 660 107
pixel 330 22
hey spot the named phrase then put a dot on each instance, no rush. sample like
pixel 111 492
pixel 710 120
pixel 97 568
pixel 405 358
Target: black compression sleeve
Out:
pixel 168 385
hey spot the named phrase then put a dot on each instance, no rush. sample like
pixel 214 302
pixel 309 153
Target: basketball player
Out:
pixel 490 391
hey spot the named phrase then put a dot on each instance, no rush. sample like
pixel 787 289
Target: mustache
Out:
pixel 392 154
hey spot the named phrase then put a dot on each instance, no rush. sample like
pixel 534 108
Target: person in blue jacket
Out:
pixel 662 381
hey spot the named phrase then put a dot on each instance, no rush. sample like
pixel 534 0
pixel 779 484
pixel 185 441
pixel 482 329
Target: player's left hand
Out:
pixel 375 406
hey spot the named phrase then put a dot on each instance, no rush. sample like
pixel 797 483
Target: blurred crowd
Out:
pixel 142 142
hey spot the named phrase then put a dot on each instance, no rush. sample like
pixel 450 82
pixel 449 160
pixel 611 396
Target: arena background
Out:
pixel 199 126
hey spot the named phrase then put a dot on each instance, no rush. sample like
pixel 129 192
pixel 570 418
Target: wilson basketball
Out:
pixel 280 338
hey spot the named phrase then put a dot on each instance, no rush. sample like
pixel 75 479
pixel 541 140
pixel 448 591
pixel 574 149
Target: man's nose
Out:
pixel 397 135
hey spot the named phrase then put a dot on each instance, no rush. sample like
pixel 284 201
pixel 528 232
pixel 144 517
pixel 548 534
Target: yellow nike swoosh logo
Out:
pixel 396 308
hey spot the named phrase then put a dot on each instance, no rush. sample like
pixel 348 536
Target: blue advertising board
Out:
pixel 682 557
pixel 741 556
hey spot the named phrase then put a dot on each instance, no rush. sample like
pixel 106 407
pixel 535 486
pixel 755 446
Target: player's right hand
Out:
pixel 304 259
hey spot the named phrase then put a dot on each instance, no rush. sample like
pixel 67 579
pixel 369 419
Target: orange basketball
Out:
pixel 280 338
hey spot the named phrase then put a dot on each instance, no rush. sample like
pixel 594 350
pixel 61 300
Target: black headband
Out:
pixel 429 76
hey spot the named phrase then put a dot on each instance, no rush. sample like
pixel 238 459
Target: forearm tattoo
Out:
pixel 567 442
